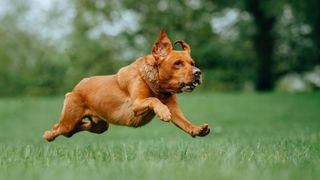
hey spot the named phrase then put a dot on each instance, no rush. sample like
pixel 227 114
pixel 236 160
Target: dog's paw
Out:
pixel 48 136
pixel 163 113
pixel 201 131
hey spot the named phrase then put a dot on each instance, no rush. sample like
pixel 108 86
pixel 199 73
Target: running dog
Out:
pixel 134 95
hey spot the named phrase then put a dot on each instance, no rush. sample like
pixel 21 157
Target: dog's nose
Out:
pixel 196 72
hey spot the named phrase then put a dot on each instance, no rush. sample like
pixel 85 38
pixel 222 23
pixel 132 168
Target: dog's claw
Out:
pixel 201 131
pixel 205 131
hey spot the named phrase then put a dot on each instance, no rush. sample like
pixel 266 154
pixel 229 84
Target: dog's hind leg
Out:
pixel 94 125
pixel 71 116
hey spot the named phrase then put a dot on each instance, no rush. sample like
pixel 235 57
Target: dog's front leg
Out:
pixel 141 106
pixel 180 121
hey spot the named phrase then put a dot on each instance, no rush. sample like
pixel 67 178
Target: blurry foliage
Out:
pixel 295 49
pixel 229 41
pixel 28 64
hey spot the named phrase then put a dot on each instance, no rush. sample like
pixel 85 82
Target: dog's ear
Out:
pixel 162 47
pixel 185 46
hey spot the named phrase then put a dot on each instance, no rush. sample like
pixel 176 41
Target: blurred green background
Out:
pixel 46 47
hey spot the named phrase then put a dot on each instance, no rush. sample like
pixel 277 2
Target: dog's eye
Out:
pixel 192 63
pixel 178 63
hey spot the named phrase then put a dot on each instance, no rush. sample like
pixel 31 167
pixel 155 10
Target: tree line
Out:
pixel 237 44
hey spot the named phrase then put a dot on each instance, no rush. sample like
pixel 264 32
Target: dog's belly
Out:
pixel 124 115
pixel 117 110
pixel 105 99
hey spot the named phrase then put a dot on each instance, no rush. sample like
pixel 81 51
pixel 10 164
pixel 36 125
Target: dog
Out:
pixel 134 95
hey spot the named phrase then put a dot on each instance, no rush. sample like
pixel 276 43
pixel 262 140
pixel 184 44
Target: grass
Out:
pixel 257 136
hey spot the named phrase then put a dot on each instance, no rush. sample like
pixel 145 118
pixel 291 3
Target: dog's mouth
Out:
pixel 190 86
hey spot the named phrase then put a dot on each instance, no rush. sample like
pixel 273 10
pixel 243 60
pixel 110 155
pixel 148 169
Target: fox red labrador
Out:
pixel 134 95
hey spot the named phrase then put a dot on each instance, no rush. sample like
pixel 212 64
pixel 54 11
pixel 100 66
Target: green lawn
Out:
pixel 257 136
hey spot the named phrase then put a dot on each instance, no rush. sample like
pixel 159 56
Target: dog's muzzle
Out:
pixel 197 80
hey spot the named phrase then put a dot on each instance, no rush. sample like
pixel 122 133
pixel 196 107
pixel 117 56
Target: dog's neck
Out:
pixel 150 75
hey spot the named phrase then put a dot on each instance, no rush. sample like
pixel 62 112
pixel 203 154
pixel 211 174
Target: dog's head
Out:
pixel 177 70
